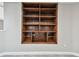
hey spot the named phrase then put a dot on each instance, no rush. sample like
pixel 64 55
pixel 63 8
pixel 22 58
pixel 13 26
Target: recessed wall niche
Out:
pixel 39 23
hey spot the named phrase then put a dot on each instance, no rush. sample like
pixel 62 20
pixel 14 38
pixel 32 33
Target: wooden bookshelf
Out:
pixel 39 23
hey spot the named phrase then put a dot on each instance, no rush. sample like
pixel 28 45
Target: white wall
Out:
pixel 13 30
pixel 2 32
pixel 76 28
pixel 1 11
pixel 2 41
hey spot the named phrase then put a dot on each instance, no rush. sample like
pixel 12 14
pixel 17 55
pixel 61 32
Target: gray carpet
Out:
pixel 39 56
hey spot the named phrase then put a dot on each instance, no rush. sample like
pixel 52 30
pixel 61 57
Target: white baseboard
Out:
pixel 38 53
pixel 76 54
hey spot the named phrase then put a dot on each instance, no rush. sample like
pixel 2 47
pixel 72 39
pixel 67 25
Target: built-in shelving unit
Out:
pixel 39 23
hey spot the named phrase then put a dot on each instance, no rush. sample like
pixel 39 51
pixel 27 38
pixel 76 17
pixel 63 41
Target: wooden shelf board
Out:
pixel 51 36
pixel 31 23
pixel 30 16
pixel 38 31
pixel 46 23
pixel 47 8
pixel 32 9
pixel 46 16
pixel 39 23
pixel 39 8
pixel 27 36
pixel 39 42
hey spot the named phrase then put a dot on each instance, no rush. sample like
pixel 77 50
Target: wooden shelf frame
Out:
pixel 37 10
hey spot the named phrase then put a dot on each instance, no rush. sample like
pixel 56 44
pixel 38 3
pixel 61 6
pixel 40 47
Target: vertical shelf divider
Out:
pixel 39 17
pixel 31 37
pixel 47 37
